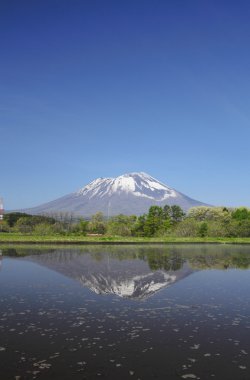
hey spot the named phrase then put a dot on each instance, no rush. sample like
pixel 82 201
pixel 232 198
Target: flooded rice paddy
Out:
pixel 125 312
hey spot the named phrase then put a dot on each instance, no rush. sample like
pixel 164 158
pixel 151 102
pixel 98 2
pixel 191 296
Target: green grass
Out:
pixel 76 239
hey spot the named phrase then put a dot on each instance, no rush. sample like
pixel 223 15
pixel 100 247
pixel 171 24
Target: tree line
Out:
pixel 168 258
pixel 158 222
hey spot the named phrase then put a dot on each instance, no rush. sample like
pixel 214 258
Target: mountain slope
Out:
pixel 127 194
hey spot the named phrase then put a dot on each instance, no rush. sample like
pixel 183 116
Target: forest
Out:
pixel 158 222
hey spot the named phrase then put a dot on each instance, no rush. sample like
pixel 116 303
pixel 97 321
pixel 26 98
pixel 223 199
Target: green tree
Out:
pixel 177 214
pixel 97 224
pixel 12 217
pixel 186 228
pixel 241 213
pixel 153 221
pixel 204 213
pixel 81 227
pixel 43 229
pixel 243 228
pixel 139 226
pixel 203 229
pixel 24 225
pixel 4 226
pixel 121 225
pixel 167 212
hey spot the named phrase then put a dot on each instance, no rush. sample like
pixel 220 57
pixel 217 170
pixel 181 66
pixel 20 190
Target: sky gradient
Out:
pixel 101 88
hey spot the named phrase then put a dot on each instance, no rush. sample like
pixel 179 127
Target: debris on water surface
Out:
pixel 195 347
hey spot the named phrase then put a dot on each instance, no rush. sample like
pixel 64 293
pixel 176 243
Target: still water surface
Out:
pixel 125 312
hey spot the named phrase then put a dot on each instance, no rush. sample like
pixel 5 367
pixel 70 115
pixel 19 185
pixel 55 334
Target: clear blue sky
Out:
pixel 100 88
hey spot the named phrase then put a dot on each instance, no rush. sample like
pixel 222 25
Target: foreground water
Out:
pixel 125 312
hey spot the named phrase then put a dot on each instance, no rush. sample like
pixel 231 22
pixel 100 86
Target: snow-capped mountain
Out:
pixel 137 184
pixel 127 194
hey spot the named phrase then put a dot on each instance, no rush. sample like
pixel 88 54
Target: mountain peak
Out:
pixel 140 174
pixel 137 184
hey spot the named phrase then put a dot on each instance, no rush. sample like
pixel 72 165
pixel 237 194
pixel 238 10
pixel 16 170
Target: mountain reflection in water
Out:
pixel 135 272
pixel 131 278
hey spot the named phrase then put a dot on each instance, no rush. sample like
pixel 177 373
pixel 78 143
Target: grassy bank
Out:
pixel 76 239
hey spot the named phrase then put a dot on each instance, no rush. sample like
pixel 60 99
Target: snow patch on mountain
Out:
pixel 137 184
pixel 136 287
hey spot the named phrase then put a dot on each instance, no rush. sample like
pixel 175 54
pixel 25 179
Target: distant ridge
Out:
pixel 128 194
